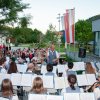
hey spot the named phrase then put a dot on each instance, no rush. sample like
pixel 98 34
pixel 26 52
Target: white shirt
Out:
pixel 57 54
pixel 3 70
pixel 97 93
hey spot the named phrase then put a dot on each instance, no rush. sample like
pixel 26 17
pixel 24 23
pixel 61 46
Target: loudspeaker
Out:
pixel 82 53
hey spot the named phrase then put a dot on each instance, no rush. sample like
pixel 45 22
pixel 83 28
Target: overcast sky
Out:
pixel 45 12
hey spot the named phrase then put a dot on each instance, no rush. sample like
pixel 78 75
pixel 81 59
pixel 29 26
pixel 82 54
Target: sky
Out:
pixel 45 12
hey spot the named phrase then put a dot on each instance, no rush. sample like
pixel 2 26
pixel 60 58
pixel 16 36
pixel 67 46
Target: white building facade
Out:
pixel 96 31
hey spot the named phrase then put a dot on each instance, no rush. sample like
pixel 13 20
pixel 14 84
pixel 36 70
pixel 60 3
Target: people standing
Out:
pixel 52 56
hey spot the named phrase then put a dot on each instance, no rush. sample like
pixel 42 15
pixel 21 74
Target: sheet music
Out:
pixel 37 97
pixel 91 78
pixel 54 70
pixel 98 65
pixel 43 69
pixel 3 76
pixel 22 67
pixel 54 97
pixel 48 81
pixel 1 98
pixel 26 80
pixel 61 68
pixel 0 78
pixel 59 82
pixel 93 65
pixel 82 80
pixel 78 66
pixel 87 96
pixel 71 96
pixel 16 79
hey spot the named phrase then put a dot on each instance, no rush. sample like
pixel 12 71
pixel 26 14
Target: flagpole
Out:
pixel 59 30
pixel 74 33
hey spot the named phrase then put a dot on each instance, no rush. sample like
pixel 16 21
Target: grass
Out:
pixel 59 48
pixel 70 48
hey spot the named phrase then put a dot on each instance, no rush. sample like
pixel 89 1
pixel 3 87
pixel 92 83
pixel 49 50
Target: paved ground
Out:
pixel 88 58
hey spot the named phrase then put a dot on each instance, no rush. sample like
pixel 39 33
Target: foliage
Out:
pixel 26 35
pixel 23 35
pixel 37 36
pixel 9 10
pixel 50 35
pixel 83 32
pixel 25 21
pixel 68 59
pixel 62 39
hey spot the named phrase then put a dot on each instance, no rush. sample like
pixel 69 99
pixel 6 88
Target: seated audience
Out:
pixel 35 65
pixel 7 90
pixel 12 68
pixel 72 88
pixel 96 88
pixel 30 68
pixel 70 67
pixel 2 65
pixel 37 87
pixel 49 68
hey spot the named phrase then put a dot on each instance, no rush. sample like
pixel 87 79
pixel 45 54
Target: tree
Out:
pixel 25 21
pixel 50 35
pixel 37 36
pixel 9 10
pixel 27 35
pixel 83 32
pixel 23 35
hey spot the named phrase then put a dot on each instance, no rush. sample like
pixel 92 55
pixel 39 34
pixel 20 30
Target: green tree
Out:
pixel 83 32
pixel 25 21
pixel 9 10
pixel 37 36
pixel 50 35
pixel 23 35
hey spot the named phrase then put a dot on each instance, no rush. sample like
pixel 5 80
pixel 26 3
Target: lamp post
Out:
pixel 59 40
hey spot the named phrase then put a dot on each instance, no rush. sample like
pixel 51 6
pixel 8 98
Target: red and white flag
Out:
pixel 69 20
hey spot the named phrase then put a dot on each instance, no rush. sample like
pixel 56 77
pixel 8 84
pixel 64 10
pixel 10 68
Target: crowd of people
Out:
pixel 35 58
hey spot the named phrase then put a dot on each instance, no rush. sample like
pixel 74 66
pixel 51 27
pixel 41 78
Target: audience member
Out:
pixel 2 65
pixel 30 68
pixel 7 90
pixel 70 67
pixel 37 87
pixel 89 68
pixel 49 68
pixel 12 68
pixel 72 88
pixel 96 88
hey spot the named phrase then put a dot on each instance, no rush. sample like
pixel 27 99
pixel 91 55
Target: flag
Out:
pixel 62 23
pixel 69 25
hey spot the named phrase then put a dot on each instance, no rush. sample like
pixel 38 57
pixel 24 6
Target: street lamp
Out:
pixel 59 40
pixel 59 20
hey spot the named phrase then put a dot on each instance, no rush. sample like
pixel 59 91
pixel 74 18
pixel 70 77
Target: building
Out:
pixel 2 39
pixel 96 31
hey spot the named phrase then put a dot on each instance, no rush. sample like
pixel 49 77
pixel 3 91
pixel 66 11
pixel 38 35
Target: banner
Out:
pixel 69 25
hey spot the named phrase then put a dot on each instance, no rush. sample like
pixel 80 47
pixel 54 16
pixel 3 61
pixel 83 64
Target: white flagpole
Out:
pixel 74 33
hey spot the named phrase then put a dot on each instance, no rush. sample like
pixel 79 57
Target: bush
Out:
pixel 68 59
